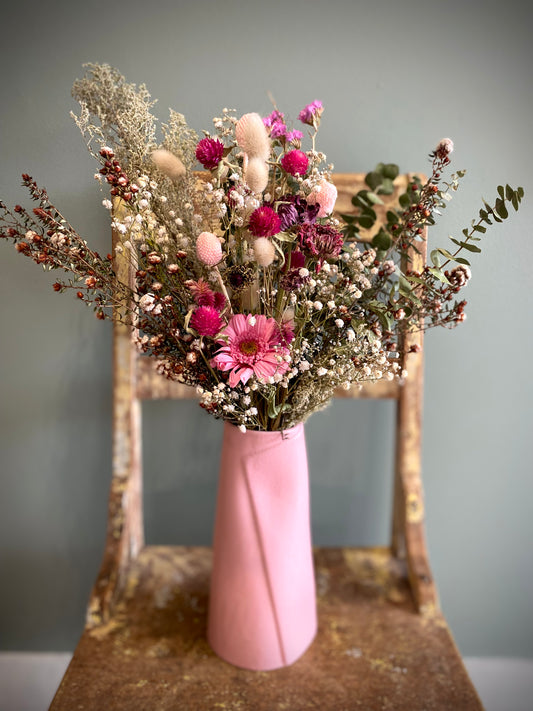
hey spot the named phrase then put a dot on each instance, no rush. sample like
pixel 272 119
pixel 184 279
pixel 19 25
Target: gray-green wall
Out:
pixel 395 77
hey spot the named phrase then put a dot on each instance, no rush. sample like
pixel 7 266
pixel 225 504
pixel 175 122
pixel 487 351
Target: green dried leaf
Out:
pixel 445 252
pixel 390 170
pixel 470 247
pixel 366 221
pixel 501 209
pixel 439 274
pixel 386 187
pixel 373 198
pixel 373 179
pixel 461 260
pixel 404 200
pixel 434 256
pixel 382 240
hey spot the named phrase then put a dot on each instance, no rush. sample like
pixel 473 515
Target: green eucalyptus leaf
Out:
pixel 501 192
pixel 404 200
pixel 366 221
pixel 359 200
pixel 373 198
pixel 445 253
pixel 501 209
pixel 373 180
pixel 439 274
pixel 382 240
pixel 386 187
pixel 461 260
pixel 470 247
pixel 391 171
pixel 434 256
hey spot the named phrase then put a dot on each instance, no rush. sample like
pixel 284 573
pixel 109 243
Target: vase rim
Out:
pixel 288 433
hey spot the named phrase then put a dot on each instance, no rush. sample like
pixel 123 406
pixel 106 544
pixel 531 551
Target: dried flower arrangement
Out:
pixel 246 285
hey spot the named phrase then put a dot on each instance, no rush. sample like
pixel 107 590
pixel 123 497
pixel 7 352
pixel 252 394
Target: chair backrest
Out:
pixel 136 379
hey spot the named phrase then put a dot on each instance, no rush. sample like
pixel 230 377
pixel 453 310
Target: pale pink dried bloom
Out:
pixel 208 249
pixel 444 147
pixel 264 251
pixel 325 195
pixel 256 174
pixel 252 136
pixel 168 163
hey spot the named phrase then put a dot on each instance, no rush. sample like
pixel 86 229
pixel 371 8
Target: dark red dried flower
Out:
pixel 320 241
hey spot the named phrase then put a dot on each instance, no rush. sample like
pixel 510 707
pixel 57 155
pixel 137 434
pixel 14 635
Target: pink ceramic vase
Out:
pixel 262 607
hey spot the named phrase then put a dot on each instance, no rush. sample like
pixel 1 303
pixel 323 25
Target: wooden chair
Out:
pixel 382 641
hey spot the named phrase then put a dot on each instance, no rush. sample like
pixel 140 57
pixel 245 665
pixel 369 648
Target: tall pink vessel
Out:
pixel 262 608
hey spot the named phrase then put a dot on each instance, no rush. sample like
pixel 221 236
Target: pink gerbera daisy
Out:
pixel 251 346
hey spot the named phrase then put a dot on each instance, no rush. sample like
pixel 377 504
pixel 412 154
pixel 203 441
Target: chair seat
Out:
pixel 372 649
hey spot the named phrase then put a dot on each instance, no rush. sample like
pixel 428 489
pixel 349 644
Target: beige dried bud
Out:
pixel 168 163
pixel 252 136
pixel 264 251
pixel 256 174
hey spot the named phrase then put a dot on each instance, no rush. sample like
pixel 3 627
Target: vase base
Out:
pixel 262 660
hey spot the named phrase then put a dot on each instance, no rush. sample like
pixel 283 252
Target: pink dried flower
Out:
pixel 295 162
pixel 251 346
pixel 278 130
pixel 274 117
pixel 311 113
pixel 206 321
pixel 208 249
pixel 294 136
pixel 325 195
pixel 201 291
pixel 209 152
pixel 264 222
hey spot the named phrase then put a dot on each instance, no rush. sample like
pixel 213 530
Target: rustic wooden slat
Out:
pixel 150 385
pixel 125 528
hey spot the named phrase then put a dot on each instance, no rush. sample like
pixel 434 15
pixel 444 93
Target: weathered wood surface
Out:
pixel 372 650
